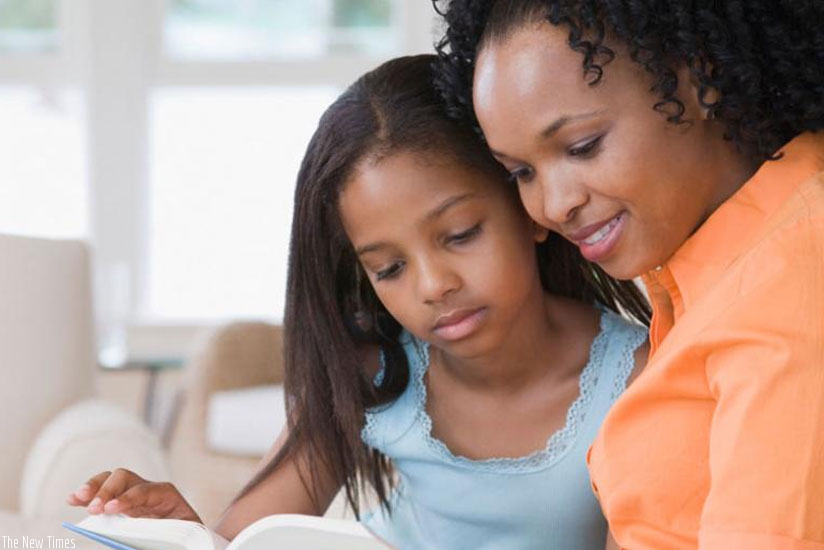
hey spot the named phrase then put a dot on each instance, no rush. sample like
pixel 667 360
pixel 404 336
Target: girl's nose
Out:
pixel 436 280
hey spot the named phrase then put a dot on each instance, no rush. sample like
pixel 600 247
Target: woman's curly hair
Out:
pixel 761 61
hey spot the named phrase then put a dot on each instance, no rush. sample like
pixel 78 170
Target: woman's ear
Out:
pixel 689 93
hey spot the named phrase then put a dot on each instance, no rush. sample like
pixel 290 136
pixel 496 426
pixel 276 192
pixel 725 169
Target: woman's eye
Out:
pixel 464 236
pixel 390 272
pixel 521 175
pixel 586 149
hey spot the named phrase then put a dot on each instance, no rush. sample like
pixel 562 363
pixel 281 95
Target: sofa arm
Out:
pixel 87 438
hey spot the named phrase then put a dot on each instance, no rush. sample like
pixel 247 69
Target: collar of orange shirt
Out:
pixel 734 228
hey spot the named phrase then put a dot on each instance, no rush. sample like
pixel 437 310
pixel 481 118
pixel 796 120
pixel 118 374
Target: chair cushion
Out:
pixel 245 422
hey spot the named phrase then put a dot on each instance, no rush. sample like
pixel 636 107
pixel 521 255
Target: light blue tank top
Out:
pixel 540 501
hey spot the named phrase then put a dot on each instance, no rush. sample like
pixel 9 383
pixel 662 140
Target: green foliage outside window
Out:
pixel 283 13
pixel 260 14
pixel 27 14
pixel 362 13
pixel 261 28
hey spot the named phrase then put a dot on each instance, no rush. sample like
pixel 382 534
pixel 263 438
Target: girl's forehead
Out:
pixel 409 184
pixel 401 176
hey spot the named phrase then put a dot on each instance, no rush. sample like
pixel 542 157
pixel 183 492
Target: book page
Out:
pixel 151 534
pixel 298 531
pixel 218 542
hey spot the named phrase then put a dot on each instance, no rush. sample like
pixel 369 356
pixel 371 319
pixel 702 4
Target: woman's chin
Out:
pixel 625 268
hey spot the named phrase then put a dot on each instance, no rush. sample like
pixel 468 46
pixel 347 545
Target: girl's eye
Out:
pixel 390 272
pixel 586 149
pixel 464 236
pixel 521 175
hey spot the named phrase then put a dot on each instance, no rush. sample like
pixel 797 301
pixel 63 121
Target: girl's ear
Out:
pixel 539 232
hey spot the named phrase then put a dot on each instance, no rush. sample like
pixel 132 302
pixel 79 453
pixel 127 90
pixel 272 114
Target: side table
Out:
pixel 153 366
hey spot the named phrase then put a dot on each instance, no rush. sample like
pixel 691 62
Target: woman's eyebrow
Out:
pixel 556 125
pixel 563 120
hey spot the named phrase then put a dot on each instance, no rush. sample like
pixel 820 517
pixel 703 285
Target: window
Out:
pixel 168 132
pixel 239 89
pixel 43 188
pixel 28 26
pixel 224 162
pixel 43 176
pixel 254 29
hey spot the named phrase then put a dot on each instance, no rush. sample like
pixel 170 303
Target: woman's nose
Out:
pixel 561 197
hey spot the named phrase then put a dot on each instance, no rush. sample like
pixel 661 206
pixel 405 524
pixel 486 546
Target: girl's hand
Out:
pixel 125 492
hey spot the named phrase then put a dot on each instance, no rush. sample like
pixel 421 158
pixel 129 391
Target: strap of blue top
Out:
pixel 389 422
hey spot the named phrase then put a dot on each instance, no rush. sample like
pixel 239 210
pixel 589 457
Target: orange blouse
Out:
pixel 719 444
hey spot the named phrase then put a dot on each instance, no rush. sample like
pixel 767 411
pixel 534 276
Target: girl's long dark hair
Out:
pixel 332 311
pixel 760 60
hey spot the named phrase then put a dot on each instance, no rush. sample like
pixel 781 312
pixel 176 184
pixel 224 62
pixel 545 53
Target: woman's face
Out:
pixel 597 163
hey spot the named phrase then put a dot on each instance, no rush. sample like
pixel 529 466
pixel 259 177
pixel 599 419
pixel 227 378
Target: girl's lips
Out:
pixel 459 324
pixel 599 244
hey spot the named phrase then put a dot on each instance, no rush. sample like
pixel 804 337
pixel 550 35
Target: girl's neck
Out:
pixel 540 344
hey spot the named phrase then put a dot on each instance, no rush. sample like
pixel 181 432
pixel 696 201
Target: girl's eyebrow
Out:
pixel 431 215
pixel 447 204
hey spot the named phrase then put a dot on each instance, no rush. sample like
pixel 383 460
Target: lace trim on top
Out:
pixel 558 444
pixel 627 362
pixel 370 424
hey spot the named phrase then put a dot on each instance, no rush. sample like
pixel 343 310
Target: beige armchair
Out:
pixel 236 356
pixel 55 433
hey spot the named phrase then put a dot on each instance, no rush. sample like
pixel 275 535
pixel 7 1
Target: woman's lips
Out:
pixel 597 242
pixel 459 324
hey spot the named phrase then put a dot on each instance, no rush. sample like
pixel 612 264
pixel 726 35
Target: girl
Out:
pixel 433 331
pixel 675 140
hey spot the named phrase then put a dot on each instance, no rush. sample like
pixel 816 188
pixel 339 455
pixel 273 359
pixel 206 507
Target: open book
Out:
pixel 282 532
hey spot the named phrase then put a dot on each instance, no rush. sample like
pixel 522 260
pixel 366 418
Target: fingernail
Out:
pixel 111 505
pixel 82 491
pixel 95 503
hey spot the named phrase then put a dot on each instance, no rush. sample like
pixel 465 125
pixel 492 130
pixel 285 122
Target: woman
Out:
pixel 676 142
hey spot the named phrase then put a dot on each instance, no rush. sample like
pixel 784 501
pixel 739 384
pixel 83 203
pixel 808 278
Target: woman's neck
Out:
pixel 733 169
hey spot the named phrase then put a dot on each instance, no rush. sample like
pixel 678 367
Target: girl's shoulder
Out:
pixel 374 356
pixel 611 321
pixel 370 355
pixel 623 347
pixel 589 321
pixel 386 423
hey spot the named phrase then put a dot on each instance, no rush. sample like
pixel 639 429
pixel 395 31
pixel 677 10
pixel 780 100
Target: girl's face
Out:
pixel 448 250
pixel 597 163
